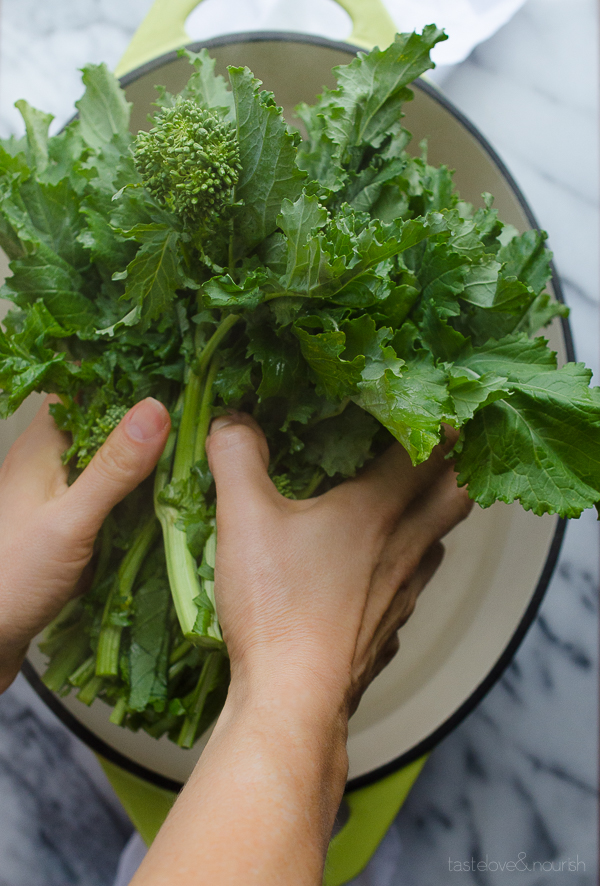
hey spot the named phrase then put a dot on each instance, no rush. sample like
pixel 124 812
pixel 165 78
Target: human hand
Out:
pixel 310 594
pixel 48 529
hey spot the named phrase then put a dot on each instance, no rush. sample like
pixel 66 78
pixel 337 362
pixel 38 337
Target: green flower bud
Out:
pixel 190 160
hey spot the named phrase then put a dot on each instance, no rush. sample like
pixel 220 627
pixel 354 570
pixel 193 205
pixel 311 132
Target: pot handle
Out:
pixel 163 29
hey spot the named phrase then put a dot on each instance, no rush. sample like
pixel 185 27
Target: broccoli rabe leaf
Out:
pixel 516 356
pixel 224 292
pixel 109 250
pixel 336 378
pixel 411 405
pixel 45 275
pixel 149 647
pixel 523 447
pixel 470 394
pixel 342 444
pixel 307 262
pixel 268 157
pixel 207 88
pixel 29 360
pixel 365 107
pixel 153 277
pixel 54 213
pixel 526 258
pixel 103 110
pixel 37 124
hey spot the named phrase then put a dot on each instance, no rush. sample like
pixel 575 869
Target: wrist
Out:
pixel 309 674
pixel 273 773
pixel 292 718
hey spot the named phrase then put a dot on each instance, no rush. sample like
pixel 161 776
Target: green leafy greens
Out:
pixel 335 287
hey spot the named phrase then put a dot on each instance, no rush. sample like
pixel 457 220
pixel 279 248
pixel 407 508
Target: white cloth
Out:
pixel 131 858
pixel 467 22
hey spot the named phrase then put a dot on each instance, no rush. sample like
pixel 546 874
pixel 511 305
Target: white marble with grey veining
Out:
pixel 519 775
pixel 60 822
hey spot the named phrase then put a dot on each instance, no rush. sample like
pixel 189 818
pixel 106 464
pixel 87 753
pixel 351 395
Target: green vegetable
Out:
pixel 336 288
pixel 190 161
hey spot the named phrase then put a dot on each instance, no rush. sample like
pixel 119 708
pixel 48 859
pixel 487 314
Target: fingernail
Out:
pixel 146 420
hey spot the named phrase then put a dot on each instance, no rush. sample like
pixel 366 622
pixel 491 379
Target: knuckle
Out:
pixel 396 569
pixel 112 463
pixel 384 520
pixel 408 603
pixel 234 436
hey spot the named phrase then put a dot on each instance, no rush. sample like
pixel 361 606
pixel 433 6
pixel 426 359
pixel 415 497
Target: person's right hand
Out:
pixel 310 594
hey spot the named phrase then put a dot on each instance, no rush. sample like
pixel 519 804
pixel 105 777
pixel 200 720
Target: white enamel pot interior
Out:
pixel 473 615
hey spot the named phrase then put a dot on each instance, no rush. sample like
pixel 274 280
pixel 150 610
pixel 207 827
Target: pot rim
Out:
pixel 110 753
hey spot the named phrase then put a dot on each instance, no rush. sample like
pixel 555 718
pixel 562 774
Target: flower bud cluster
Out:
pixel 189 160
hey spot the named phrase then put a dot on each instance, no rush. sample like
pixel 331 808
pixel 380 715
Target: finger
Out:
pixel 126 458
pixel 33 464
pixel 431 516
pixel 380 659
pixel 388 485
pixel 404 601
pixel 426 521
pixel 238 457
pixel 387 652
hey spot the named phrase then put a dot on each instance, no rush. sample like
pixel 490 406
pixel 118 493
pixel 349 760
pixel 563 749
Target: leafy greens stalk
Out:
pixel 120 598
pixel 336 288
pixel 189 449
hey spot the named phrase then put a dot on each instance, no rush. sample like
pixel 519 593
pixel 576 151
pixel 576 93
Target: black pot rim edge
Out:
pixel 105 750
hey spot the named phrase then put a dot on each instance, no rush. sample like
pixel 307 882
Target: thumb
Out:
pixel 238 457
pixel 125 459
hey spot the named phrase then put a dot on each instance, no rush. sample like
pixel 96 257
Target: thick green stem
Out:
pixel 165 724
pixel 88 693
pixel 206 683
pixel 231 256
pixel 67 659
pixel 311 487
pixel 84 672
pixel 180 651
pixel 196 406
pixel 205 414
pixel 61 628
pixel 106 549
pixel 215 340
pixel 109 641
pixel 186 437
pixel 175 670
pixel 182 572
pixel 118 713
pixel 210 556
pixel 135 556
pixel 182 568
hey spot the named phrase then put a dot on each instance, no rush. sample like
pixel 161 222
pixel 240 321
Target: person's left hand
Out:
pixel 48 529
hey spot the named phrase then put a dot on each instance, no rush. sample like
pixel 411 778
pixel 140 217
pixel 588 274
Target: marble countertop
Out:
pixel 517 779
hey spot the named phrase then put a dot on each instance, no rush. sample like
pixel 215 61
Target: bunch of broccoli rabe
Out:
pixel 336 287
